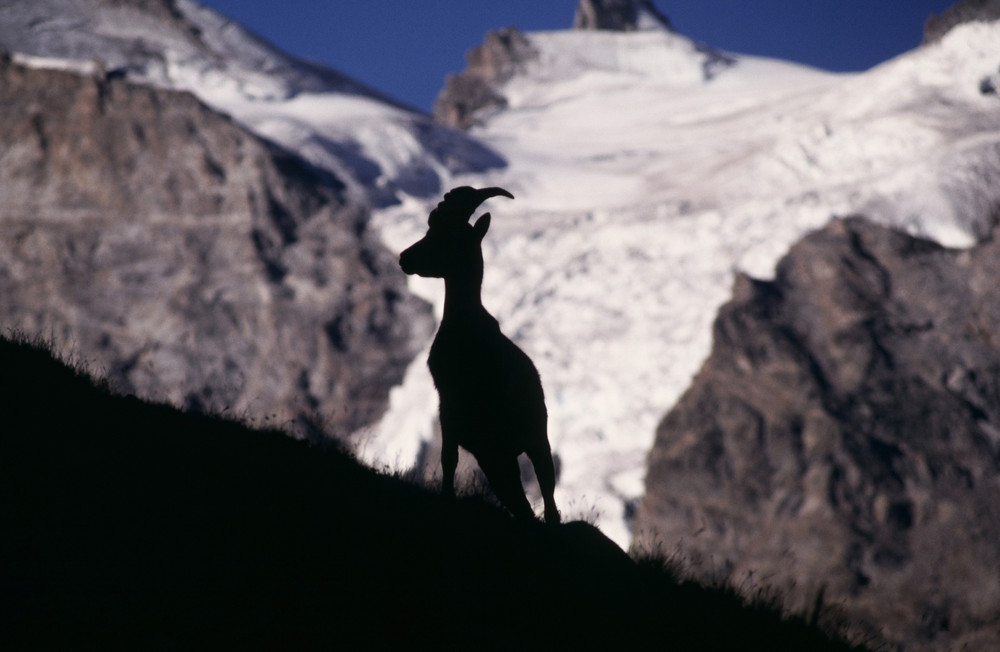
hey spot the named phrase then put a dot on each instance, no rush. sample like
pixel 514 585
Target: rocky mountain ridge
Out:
pixel 191 260
pixel 473 95
pixel 843 437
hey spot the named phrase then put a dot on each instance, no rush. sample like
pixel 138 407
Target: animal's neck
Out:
pixel 463 296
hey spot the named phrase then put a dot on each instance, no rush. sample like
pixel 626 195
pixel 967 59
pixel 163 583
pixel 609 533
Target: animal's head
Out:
pixel 452 245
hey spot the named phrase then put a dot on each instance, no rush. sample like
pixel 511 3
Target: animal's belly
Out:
pixel 489 404
pixel 485 428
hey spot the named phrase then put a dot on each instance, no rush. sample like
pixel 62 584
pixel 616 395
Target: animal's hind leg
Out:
pixel 449 460
pixel 541 459
pixel 504 476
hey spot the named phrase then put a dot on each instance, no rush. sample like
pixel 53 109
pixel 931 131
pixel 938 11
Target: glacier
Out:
pixel 643 184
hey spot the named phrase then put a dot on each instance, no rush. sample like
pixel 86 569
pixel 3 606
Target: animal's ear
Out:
pixel 481 226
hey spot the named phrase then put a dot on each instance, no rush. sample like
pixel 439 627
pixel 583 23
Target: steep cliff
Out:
pixel 843 438
pixel 188 259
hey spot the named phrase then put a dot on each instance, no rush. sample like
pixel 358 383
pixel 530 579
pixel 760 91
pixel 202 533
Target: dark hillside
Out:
pixel 136 526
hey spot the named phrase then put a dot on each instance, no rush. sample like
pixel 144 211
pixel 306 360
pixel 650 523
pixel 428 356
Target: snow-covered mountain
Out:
pixel 645 177
pixel 378 146
pixel 647 168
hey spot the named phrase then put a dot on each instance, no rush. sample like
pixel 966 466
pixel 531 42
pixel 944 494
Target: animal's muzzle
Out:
pixel 405 263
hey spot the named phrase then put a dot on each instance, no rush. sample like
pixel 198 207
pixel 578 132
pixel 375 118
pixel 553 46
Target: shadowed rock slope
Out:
pixel 843 438
pixel 135 526
pixel 192 261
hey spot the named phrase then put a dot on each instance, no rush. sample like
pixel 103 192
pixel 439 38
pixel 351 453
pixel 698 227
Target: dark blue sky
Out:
pixel 406 47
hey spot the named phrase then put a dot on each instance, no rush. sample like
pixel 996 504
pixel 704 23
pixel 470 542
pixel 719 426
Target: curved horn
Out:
pixel 493 191
pixel 461 202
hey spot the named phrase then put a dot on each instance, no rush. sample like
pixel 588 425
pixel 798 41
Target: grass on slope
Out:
pixel 131 525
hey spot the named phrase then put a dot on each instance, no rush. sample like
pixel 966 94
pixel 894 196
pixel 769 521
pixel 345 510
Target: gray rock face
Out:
pixel 843 438
pixel 965 11
pixel 618 15
pixel 474 89
pixel 190 261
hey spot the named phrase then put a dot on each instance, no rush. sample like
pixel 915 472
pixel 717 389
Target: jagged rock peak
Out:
pixel 619 16
pixel 966 11
pixel 501 55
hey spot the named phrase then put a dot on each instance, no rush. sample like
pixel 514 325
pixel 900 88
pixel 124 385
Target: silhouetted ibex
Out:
pixel 491 396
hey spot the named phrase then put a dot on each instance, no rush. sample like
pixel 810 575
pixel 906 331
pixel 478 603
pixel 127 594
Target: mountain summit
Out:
pixel 619 15
pixel 966 11
pixel 628 37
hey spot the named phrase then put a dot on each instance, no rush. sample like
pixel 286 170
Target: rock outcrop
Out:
pixel 619 15
pixel 188 260
pixel 965 11
pixel 842 441
pixel 501 55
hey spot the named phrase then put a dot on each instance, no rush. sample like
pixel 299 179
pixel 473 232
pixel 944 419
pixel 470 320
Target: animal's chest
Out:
pixel 470 360
pixel 490 394
pixel 456 364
